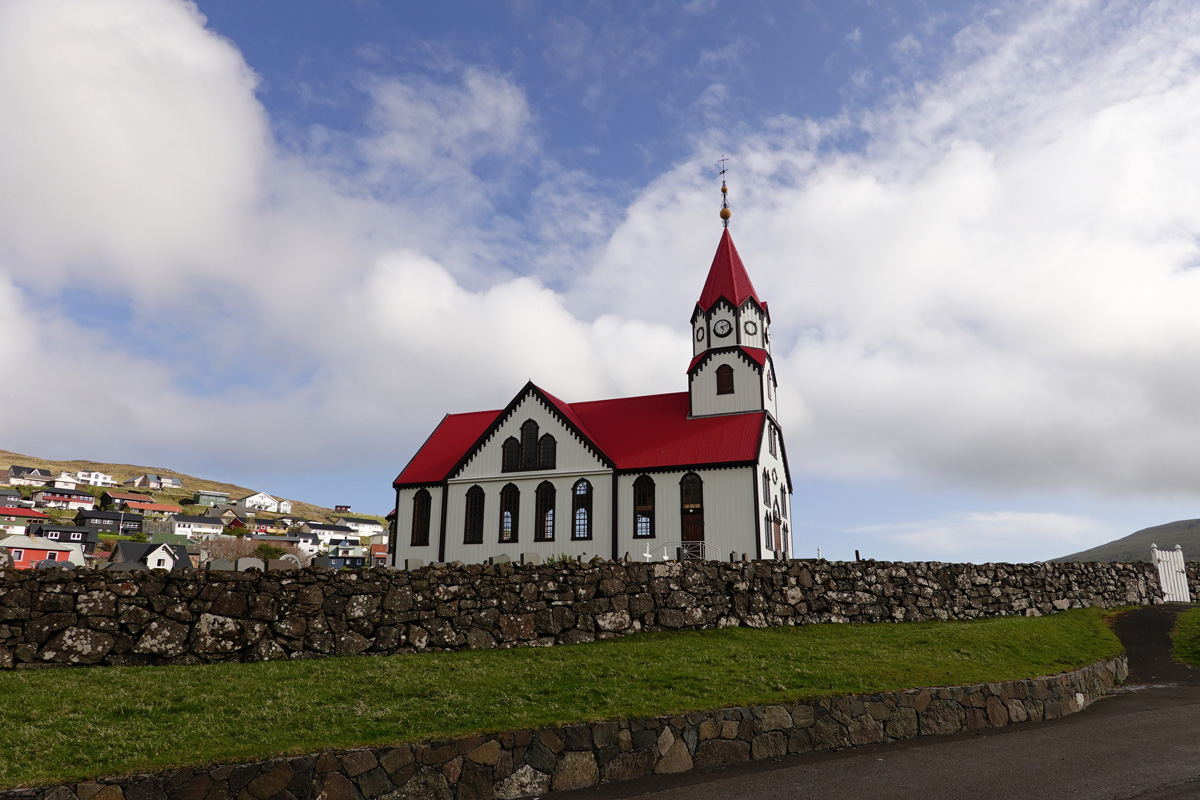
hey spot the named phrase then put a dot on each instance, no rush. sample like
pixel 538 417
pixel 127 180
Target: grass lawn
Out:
pixel 69 724
pixel 1186 637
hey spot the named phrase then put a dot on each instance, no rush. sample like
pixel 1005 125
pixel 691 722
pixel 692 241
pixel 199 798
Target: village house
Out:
pixel 151 555
pixel 363 526
pixel 92 478
pixel 208 497
pixel 261 501
pixel 10 498
pixel 154 482
pixel 71 499
pixel 28 476
pixel 29 551
pixel 125 523
pixel 85 537
pixel 195 527
pixel 700 473
pixel 327 533
pixel 17 520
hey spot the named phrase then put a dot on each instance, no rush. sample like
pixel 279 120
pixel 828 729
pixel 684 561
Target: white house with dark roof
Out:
pixel 363 526
pixel 702 471
pixel 261 501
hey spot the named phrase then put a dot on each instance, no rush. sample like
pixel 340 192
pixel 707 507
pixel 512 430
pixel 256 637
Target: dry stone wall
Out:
pixel 89 617
pixel 529 763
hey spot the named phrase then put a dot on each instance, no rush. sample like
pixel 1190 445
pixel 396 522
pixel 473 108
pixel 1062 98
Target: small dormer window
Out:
pixel 724 379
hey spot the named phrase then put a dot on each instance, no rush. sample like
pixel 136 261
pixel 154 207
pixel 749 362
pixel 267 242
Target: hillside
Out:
pixel 1136 546
pixel 123 472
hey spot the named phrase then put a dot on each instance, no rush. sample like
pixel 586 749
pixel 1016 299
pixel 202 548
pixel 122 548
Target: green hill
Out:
pixel 1136 546
pixel 123 472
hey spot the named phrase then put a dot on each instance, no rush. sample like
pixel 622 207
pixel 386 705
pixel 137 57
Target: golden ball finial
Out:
pixel 724 189
pixel 726 214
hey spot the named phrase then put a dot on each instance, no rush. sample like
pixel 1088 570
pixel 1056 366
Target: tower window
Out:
pixel 473 522
pixel 511 458
pixel 643 507
pixel 766 494
pixel 771 439
pixel 770 388
pixel 724 379
pixel 510 503
pixel 529 442
pixel 544 531
pixel 581 510
pixel 547 448
pixel 420 520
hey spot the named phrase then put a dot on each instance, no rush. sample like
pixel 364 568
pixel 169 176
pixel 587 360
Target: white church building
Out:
pixel 703 471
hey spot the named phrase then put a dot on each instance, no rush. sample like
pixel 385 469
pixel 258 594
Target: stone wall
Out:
pixel 530 763
pixel 89 617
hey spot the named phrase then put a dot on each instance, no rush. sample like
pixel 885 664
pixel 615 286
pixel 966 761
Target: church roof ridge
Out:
pixel 727 277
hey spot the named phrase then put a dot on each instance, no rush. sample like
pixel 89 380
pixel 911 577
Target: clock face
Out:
pixel 699 334
pixel 750 327
pixel 722 328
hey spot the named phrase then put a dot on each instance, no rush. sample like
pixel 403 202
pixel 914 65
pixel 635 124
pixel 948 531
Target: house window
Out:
pixel 510 503
pixel 75 537
pixel 473 524
pixel 547 448
pixel 529 442
pixel 545 512
pixel 581 510
pixel 724 379
pixel 160 562
pixel 643 507
pixel 783 503
pixel 18 555
pixel 420 522
pixel 511 459
pixel 52 556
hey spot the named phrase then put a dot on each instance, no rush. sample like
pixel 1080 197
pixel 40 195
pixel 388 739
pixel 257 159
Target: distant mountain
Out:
pixel 1136 546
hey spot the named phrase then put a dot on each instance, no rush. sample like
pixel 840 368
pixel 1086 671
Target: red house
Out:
pixel 27 551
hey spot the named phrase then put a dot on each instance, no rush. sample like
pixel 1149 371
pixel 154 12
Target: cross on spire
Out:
pixel 725 212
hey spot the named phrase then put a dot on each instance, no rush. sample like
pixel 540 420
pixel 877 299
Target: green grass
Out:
pixel 1186 637
pixel 65 725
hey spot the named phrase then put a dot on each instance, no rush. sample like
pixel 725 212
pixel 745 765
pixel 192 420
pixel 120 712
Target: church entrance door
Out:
pixel 691 515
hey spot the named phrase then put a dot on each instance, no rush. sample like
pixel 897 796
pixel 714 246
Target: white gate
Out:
pixel 1172 575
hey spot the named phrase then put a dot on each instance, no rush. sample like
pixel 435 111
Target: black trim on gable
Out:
pixel 503 416
pixel 686 467
pixel 740 349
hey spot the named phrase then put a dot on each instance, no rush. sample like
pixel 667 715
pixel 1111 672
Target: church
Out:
pixel 701 473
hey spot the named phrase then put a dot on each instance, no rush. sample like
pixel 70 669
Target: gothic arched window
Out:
pixel 473 519
pixel 772 439
pixel 529 441
pixel 724 379
pixel 643 507
pixel 581 510
pixel 770 380
pixel 420 520
pixel 510 504
pixel 547 448
pixel 511 459
pixel 544 525
pixel 766 495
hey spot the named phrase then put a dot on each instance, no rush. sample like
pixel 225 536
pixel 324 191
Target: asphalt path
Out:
pixel 1141 742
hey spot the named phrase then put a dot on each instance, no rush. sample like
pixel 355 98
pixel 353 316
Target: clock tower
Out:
pixel 731 370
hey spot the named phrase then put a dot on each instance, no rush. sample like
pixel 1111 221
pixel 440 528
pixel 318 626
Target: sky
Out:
pixel 272 243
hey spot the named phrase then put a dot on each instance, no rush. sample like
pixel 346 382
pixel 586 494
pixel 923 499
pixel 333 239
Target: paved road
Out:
pixel 1143 742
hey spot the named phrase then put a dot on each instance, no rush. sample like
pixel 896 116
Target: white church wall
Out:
pixel 571 455
pixel 404 522
pixel 728 511
pixel 773 465
pixel 751 319
pixel 770 392
pixel 527 483
pixel 747 386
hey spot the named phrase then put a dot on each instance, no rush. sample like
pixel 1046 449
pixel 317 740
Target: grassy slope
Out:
pixel 1136 546
pixel 1186 637
pixel 62 725
pixel 123 472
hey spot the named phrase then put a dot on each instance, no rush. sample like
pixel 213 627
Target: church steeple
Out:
pixel 731 370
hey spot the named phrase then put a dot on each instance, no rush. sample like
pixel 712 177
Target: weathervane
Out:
pixel 725 212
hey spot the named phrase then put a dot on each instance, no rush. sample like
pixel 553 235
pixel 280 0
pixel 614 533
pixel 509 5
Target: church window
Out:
pixel 771 439
pixel 511 460
pixel 581 510
pixel 545 512
pixel 643 507
pixel 724 379
pixel 766 495
pixel 547 448
pixel 770 390
pixel 767 528
pixel 420 520
pixel 510 504
pixel 529 442
pixel 783 503
pixel 691 492
pixel 473 523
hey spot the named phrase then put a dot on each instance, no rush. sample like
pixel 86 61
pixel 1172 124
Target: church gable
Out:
pixel 532 434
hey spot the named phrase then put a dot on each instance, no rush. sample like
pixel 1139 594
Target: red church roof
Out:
pixel 647 432
pixel 727 277
pixel 755 354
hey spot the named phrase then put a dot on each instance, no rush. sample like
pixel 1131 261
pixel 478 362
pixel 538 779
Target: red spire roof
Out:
pixel 727 277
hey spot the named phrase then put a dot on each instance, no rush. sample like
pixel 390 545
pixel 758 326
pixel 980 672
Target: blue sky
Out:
pixel 274 242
